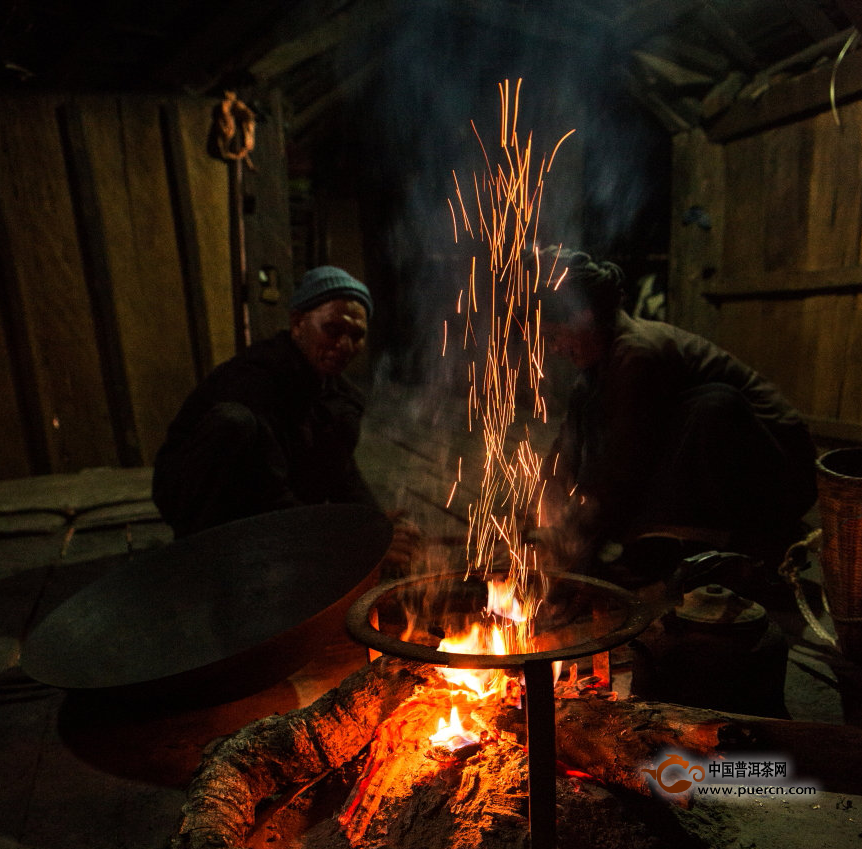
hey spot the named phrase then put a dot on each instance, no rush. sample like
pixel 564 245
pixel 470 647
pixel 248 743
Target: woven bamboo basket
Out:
pixel 839 484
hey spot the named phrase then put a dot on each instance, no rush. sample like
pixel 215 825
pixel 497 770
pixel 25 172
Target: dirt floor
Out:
pixel 82 772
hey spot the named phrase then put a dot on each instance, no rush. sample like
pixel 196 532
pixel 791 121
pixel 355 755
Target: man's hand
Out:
pixel 406 538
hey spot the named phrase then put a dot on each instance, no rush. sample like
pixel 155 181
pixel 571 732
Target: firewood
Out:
pixel 271 754
pixel 379 720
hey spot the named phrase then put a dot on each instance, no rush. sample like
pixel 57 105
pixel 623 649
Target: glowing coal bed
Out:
pixel 468 627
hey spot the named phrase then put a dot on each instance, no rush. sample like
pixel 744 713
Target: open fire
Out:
pixel 503 214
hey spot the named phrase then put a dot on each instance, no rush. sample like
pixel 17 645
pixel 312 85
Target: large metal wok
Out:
pixel 222 605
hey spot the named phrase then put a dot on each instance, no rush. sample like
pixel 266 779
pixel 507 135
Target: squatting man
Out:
pixel 276 426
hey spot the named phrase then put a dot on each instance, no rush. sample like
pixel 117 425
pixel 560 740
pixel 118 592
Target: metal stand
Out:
pixel 541 753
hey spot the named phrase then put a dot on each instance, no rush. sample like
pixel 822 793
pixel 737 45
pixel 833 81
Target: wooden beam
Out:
pixel 300 123
pixel 786 284
pixel 313 43
pixel 726 37
pixel 853 10
pixel 811 18
pixel 828 47
pixel 179 186
pixel 676 75
pixel 791 99
pixel 26 431
pixel 652 102
pixel 710 62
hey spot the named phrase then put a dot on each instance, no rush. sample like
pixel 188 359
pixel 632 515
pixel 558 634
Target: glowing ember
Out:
pixel 452 734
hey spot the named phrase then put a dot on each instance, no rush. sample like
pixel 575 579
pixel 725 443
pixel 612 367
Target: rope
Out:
pixel 794 559
pixel 231 114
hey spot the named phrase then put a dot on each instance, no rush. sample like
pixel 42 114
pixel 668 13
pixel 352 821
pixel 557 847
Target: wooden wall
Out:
pixel 115 273
pixel 777 278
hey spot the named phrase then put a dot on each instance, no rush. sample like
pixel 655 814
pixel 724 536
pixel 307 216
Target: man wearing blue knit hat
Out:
pixel 275 426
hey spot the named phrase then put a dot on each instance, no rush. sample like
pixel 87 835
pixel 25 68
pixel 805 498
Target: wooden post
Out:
pixel 94 252
pixel 237 255
pixel 187 240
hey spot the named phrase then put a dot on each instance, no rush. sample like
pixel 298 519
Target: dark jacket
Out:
pixel 311 426
pixel 618 418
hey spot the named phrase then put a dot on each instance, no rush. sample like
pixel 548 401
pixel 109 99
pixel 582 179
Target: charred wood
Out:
pixel 410 794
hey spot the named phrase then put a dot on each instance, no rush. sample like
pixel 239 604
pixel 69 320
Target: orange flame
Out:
pixel 452 734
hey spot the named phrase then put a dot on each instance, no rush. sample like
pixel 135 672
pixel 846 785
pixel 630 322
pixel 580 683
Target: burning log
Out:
pixel 274 753
pixel 397 788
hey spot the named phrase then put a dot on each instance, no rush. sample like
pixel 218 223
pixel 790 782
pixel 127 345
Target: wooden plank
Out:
pixel 787 162
pixel 699 57
pixel 748 331
pixel 23 449
pixel 826 328
pixel 744 224
pixel 652 102
pixel 809 348
pixel 791 99
pixel 267 229
pixel 739 284
pixel 677 76
pixel 238 266
pixel 835 187
pixel 850 393
pixel 289 54
pixel 208 186
pixel 695 253
pixel 179 186
pixel 95 261
pixel 69 402
pixel 124 144
pixel 804 59
pixel 812 18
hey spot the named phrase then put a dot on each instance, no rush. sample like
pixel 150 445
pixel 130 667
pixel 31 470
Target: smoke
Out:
pixel 439 69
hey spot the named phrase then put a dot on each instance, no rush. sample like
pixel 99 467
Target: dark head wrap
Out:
pixel 326 283
pixel 587 284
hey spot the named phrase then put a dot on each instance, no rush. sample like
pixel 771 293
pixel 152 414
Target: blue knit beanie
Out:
pixel 326 283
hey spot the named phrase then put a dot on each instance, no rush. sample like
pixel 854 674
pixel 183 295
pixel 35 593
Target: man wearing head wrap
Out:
pixel 275 426
pixel 666 436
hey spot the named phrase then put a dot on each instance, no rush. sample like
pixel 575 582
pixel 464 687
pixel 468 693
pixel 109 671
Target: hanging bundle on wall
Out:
pixel 232 130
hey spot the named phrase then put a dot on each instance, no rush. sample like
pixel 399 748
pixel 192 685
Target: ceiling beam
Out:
pixel 694 56
pixel 725 36
pixel 675 75
pixel 791 100
pixel 650 99
pixel 288 55
pixel 811 18
pixel 300 123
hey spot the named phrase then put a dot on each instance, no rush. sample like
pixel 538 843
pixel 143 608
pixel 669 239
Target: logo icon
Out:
pixel 681 784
